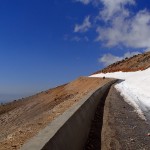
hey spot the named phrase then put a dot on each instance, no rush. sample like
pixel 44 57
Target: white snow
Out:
pixel 135 88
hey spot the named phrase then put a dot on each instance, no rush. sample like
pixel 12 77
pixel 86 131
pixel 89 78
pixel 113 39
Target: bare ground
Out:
pixel 117 126
pixel 20 120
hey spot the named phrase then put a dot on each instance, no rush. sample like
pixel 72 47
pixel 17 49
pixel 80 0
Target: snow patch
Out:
pixel 135 88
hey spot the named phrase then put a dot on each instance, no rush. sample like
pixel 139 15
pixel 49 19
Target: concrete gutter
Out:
pixel 70 130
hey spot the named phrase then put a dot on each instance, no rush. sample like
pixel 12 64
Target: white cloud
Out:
pixel 84 26
pixel 122 27
pixel 130 54
pixel 133 32
pixel 117 25
pixel 147 50
pixel 108 59
pixel 86 2
pixel 113 7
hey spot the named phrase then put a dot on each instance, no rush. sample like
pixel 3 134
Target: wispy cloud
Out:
pixel 84 1
pixel 114 8
pixel 76 38
pixel 84 26
pixel 108 59
pixel 147 50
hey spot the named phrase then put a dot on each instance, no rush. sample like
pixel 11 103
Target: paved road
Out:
pixel 117 126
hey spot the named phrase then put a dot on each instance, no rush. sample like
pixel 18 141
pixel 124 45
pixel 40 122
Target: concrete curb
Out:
pixel 70 130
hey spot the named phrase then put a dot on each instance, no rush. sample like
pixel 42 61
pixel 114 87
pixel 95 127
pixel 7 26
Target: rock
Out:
pixel 132 140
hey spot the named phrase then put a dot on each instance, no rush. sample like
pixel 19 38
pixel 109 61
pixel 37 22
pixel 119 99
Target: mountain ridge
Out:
pixel 134 63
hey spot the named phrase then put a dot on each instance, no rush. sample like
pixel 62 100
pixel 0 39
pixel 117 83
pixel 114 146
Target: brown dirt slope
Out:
pixel 135 63
pixel 22 119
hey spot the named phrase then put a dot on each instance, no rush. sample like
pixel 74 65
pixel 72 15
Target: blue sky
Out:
pixel 51 42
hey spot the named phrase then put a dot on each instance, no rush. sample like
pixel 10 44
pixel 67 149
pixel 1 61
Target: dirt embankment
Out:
pixel 21 120
pixel 117 126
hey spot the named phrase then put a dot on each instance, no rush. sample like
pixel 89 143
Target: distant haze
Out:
pixel 4 98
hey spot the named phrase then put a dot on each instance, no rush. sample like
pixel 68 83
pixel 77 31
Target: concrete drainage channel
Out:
pixel 70 131
pixel 94 139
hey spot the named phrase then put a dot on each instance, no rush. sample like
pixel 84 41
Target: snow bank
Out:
pixel 135 88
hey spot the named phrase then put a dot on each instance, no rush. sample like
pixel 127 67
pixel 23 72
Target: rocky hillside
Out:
pixel 22 119
pixel 135 63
